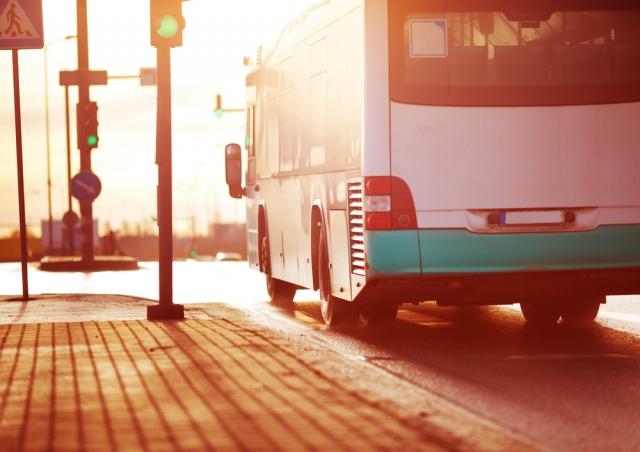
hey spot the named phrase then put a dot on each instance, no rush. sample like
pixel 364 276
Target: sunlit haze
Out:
pixel 217 36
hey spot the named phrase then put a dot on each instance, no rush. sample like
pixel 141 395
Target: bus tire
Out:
pixel 541 313
pixel 335 312
pixel 280 292
pixel 580 312
pixel 380 315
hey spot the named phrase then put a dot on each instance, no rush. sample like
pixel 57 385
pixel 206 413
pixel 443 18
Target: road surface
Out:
pixel 561 389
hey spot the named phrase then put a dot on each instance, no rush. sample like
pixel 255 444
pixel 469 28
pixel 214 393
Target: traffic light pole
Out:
pixel 165 309
pixel 86 208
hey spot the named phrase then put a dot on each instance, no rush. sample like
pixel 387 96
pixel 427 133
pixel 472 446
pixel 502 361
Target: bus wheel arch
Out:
pixel 335 312
pixel 316 229
pixel 262 232
pixel 280 292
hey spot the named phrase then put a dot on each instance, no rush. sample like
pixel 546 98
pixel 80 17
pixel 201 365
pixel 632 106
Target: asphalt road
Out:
pixel 560 389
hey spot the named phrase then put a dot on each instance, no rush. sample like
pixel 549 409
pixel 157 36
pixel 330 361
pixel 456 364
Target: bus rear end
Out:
pixel 514 156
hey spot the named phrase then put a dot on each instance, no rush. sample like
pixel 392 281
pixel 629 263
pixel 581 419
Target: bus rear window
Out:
pixel 497 58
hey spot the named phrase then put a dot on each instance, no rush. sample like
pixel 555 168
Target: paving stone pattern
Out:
pixel 192 385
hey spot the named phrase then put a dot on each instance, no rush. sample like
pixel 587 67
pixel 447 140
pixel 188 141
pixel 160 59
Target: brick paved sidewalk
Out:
pixel 185 385
pixel 200 384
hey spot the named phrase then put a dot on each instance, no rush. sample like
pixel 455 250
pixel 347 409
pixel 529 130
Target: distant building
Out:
pixel 228 237
pixel 59 235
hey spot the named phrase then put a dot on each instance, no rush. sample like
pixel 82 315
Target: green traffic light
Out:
pixel 169 26
pixel 92 140
pixel 219 112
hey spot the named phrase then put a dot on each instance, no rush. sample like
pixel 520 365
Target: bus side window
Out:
pixel 250 146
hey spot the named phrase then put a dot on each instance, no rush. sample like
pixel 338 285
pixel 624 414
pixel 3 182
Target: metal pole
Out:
pixel 48 146
pixel 47 138
pixel 165 198
pixel 165 309
pixel 21 207
pixel 70 234
pixel 86 208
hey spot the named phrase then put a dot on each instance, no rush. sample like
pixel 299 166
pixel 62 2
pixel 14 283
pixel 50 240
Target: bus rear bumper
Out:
pixel 460 267
pixel 507 287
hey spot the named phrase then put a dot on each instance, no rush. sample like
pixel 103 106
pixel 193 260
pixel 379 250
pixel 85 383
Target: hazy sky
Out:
pixel 217 36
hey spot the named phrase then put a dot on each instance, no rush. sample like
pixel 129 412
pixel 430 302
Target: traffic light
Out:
pixel 88 125
pixel 91 123
pixel 166 23
pixel 219 109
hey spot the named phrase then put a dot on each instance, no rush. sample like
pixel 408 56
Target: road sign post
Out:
pixel 84 84
pixel 20 28
pixel 21 202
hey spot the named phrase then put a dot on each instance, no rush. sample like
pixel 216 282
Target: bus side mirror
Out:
pixel 233 169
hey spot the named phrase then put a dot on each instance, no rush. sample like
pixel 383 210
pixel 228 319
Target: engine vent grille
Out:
pixel 356 227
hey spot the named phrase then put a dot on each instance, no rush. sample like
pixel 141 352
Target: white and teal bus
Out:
pixel 469 152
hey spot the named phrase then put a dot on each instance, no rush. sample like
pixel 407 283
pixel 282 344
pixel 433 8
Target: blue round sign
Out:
pixel 85 186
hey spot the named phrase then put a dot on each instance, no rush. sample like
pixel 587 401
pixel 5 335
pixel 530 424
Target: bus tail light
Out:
pixel 377 203
pixel 388 204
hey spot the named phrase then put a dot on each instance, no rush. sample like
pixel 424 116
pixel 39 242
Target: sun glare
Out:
pixel 216 38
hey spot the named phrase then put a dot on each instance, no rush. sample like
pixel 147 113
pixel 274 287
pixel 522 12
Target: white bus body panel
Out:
pixel 309 137
pixel 462 159
pixel 376 160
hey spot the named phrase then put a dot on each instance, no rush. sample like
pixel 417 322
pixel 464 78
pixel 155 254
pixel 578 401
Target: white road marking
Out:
pixel 562 356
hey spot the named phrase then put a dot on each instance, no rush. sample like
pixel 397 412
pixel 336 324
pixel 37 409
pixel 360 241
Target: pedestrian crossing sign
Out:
pixel 21 24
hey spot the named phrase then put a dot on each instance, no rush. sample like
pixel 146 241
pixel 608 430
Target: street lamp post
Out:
pixel 48 145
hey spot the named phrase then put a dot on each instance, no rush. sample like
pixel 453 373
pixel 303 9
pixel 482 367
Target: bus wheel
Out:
pixel 540 314
pixel 335 312
pixel 381 315
pixel 580 312
pixel 280 292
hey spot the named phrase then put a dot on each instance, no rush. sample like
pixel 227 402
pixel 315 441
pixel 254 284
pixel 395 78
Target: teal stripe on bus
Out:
pixel 446 251
pixel 405 253
pixel 393 253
